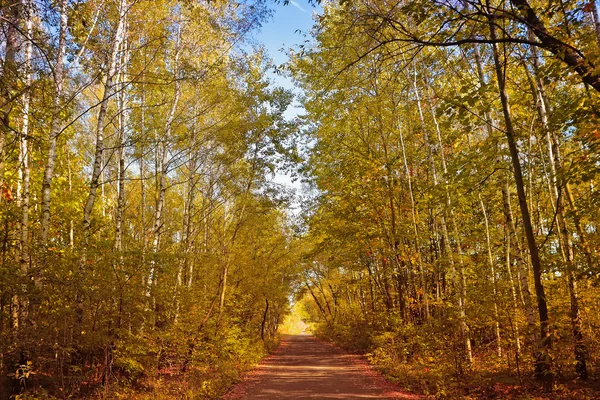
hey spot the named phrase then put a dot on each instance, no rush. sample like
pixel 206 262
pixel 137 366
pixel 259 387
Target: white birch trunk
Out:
pixel 122 126
pixel 24 171
pixel 108 92
pixel 163 167
pixel 55 126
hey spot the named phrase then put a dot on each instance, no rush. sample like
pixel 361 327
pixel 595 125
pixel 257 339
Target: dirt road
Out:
pixel 306 368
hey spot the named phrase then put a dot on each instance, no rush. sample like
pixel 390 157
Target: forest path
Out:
pixel 303 367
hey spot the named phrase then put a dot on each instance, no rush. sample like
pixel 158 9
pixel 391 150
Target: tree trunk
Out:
pixel 543 358
pixel 393 240
pixel 97 167
pixel 565 242
pixel 100 126
pixel 70 182
pixel 264 320
pixel 461 278
pixel 569 55
pixel 55 125
pixel 513 293
pixel 493 280
pixel 163 169
pixel 186 243
pixel 142 163
pixel 523 274
pixel 413 213
pixel 9 78
pixel 24 172
pixel 161 178
pixel 123 121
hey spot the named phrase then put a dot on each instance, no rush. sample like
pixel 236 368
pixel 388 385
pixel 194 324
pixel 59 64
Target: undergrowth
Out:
pixel 215 365
pixel 425 360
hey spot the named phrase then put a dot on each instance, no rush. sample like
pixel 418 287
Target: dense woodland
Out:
pixel 141 235
pixel 450 157
pixel 456 152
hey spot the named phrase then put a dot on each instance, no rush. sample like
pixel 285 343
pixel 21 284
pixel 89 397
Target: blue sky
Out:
pixel 282 30
pixel 289 26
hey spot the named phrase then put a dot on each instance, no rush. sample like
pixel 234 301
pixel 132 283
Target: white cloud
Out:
pixel 298 6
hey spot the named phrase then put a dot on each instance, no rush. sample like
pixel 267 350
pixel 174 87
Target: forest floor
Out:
pixel 303 367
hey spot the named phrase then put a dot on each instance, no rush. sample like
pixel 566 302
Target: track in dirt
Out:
pixel 306 368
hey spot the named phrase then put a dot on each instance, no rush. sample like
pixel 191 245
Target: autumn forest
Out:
pixel 441 220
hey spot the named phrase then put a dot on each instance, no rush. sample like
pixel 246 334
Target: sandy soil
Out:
pixel 306 368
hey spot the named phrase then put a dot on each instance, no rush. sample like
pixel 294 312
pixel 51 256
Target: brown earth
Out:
pixel 303 367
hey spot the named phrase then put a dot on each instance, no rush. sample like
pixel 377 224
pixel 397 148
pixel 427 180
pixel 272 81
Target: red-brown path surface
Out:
pixel 306 368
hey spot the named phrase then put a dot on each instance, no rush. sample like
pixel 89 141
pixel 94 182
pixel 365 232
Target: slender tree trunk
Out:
pixel 90 32
pixel 122 126
pixel 513 291
pixel 70 182
pixel 413 211
pixel 24 256
pixel 580 349
pixel 521 266
pixel 433 173
pixel 317 302
pixel 567 247
pixel 462 299
pixel 186 245
pixel 393 240
pixel 142 162
pixel 461 282
pixel 543 358
pixel 493 280
pixel 123 121
pixel 163 168
pixel 264 320
pixel 55 125
pixel 185 264
pixel 161 178
pixel 97 167
pixel 489 129
pixel 9 78
pixel 24 142
pixel 450 209
pixel 207 209
pixel 224 276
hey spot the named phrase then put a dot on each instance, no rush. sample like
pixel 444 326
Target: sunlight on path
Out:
pixel 305 368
